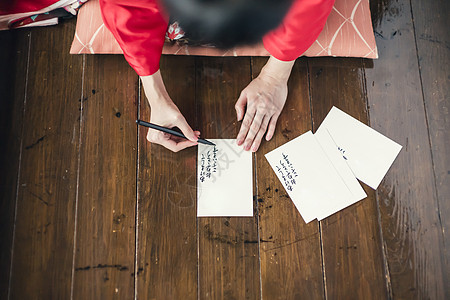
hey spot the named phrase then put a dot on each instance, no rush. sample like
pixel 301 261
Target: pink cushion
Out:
pixel 348 32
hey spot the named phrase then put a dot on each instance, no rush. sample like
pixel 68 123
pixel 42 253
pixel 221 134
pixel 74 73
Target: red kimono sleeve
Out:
pixel 299 29
pixel 139 27
pixel 24 6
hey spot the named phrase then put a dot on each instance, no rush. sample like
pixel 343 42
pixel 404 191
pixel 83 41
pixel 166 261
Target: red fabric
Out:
pixel 9 7
pixel 299 29
pixel 139 27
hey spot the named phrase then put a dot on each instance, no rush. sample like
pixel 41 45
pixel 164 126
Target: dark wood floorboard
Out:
pixel 105 236
pixel 128 208
pixel 228 247
pixel 167 212
pixel 412 232
pixel 43 244
pixel 432 33
pixel 14 58
pixel 353 260
pixel 291 261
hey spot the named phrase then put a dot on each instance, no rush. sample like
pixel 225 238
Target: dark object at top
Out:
pixel 227 23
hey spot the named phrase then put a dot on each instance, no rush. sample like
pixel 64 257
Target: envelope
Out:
pixel 309 177
pixel 333 154
pixel 368 153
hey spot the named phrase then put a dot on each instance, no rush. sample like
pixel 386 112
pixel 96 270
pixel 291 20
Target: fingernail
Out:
pixel 239 142
pixel 254 148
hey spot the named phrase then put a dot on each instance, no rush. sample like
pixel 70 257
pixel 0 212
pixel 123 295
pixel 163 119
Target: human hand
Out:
pixel 264 98
pixel 165 113
pixel 169 116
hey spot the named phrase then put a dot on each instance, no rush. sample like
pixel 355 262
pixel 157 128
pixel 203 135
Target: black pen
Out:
pixel 170 131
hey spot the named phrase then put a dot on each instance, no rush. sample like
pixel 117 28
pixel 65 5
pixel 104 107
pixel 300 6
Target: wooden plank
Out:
pixel 228 247
pixel 431 25
pixel 291 262
pixel 43 244
pixel 353 260
pixel 13 57
pixel 167 230
pixel 411 229
pixel 105 236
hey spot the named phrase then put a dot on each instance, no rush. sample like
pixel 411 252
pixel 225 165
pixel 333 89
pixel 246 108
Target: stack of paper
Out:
pixel 319 171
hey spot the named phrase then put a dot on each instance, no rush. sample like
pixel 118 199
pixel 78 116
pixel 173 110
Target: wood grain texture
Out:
pixel 43 244
pixel 291 262
pixel 13 57
pixel 167 197
pixel 228 247
pixel 177 255
pixel 412 233
pixel 105 236
pixel 431 25
pixel 353 260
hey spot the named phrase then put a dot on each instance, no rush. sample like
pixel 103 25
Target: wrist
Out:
pixel 154 88
pixel 278 69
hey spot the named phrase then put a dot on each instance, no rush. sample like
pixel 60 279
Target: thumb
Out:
pixel 186 129
pixel 240 106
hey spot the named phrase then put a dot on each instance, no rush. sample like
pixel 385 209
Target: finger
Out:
pixel 169 141
pixel 186 129
pixel 259 136
pixel 248 119
pixel 175 147
pixel 272 125
pixel 159 138
pixel 152 135
pixel 240 106
pixel 254 129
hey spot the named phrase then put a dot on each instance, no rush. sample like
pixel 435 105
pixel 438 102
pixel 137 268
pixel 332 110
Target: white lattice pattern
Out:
pixel 348 32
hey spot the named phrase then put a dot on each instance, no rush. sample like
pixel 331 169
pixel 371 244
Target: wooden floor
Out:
pixel 90 210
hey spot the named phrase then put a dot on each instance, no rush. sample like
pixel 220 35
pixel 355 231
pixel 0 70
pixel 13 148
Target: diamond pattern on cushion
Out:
pixel 348 32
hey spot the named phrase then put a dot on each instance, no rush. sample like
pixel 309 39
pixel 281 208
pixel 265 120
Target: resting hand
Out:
pixel 264 98
pixel 165 113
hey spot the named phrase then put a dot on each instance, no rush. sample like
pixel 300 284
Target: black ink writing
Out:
pixel 214 166
pixel 342 152
pixel 212 163
pixel 287 172
pixel 202 168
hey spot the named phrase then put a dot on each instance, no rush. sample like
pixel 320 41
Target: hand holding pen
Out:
pixel 165 113
pixel 172 132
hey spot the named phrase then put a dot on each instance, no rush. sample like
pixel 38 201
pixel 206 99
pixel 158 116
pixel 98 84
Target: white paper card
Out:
pixel 340 165
pixel 309 177
pixel 368 153
pixel 224 180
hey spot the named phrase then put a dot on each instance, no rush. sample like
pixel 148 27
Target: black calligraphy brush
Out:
pixel 170 131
